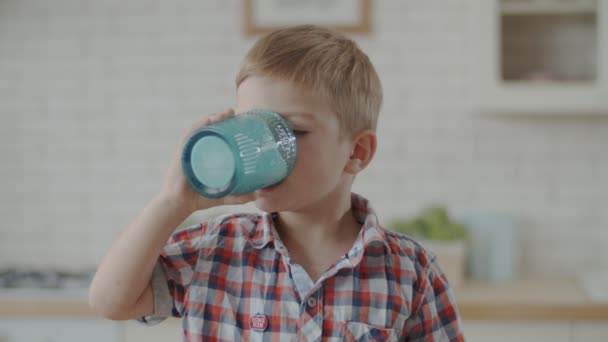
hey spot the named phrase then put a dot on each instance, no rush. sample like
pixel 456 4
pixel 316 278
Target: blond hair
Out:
pixel 326 62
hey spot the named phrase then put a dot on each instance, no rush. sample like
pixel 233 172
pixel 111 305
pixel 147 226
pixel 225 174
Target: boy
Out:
pixel 316 265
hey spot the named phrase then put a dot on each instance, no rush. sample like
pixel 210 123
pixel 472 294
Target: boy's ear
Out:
pixel 363 150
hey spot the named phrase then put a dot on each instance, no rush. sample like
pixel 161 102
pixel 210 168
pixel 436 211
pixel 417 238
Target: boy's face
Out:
pixel 321 154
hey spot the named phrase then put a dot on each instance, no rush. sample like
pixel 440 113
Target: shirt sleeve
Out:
pixel 173 274
pixel 434 315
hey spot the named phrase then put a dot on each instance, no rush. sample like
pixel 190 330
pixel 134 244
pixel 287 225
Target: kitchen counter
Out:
pixel 554 299
pixel 30 302
pixel 558 299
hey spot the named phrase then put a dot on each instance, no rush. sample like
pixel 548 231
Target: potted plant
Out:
pixel 438 232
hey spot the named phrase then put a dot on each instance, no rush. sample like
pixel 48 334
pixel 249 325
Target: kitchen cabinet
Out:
pixel 32 329
pixel 532 309
pixel 539 57
pixel 520 331
pixel 524 331
pixel 475 331
pixel 589 332
pixel 168 330
pixel 525 309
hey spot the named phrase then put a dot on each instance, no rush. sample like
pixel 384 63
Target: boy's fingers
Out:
pixel 209 120
pixel 221 116
pixel 213 118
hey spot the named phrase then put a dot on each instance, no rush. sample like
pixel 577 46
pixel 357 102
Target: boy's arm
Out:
pixel 434 316
pixel 121 287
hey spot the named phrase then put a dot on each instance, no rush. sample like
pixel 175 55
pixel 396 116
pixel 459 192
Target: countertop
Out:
pixel 50 303
pixel 526 299
pixel 529 299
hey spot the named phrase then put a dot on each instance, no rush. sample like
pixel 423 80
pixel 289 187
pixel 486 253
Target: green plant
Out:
pixel 432 223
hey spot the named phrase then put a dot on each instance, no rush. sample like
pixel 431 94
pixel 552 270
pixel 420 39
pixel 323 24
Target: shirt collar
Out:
pixel 263 232
pixel 371 232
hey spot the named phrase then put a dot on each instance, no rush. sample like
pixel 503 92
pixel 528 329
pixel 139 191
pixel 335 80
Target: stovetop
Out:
pixel 14 278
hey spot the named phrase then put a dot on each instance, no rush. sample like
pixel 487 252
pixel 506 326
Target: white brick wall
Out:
pixel 94 95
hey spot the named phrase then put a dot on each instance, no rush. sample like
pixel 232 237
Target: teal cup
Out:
pixel 239 155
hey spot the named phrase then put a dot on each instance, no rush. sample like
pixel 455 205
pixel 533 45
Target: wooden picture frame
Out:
pixel 349 16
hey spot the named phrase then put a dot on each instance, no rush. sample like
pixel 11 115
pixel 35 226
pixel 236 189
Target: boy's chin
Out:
pixel 268 205
pixel 264 205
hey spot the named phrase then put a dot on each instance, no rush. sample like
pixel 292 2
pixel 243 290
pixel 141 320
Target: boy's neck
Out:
pixel 327 230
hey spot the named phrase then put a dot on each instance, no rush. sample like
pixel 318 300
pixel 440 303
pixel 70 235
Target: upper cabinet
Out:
pixel 540 56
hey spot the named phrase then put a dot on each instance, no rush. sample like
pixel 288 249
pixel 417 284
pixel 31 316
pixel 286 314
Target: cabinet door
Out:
pixel 168 330
pixel 539 57
pixel 58 330
pixel 590 332
pixel 519 331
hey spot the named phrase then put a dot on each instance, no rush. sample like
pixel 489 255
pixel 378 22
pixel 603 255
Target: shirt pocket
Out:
pixel 362 332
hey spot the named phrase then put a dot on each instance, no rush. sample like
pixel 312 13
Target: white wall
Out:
pixel 94 95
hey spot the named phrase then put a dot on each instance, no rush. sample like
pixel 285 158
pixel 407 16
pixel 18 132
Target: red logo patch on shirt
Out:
pixel 258 322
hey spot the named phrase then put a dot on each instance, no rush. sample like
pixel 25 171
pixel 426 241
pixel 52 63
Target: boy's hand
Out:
pixel 176 186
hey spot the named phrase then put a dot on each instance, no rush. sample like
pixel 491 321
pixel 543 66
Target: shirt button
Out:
pixel 311 302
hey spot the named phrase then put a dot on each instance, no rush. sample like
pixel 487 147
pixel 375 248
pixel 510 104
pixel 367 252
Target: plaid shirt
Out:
pixel 231 279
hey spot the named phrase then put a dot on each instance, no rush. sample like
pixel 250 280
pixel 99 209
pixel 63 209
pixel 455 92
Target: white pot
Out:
pixel 451 256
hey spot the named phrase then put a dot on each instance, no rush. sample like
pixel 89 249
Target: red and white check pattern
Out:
pixel 226 275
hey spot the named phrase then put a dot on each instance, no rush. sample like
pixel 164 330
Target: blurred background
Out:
pixel 494 124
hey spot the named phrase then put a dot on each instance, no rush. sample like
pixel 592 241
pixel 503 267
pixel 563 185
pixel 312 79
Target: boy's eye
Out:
pixel 297 132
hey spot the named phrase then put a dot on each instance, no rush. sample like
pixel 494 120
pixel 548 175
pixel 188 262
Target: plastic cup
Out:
pixel 239 155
